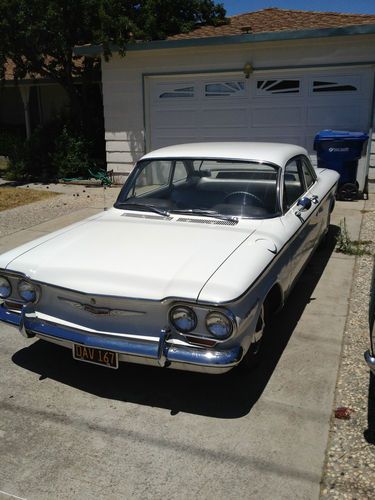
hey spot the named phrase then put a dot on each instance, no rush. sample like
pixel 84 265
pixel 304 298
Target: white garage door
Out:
pixel 281 107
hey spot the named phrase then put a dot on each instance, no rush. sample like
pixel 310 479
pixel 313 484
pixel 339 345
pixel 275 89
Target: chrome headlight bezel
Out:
pixel 189 312
pixel 28 291
pixel 6 285
pixel 223 320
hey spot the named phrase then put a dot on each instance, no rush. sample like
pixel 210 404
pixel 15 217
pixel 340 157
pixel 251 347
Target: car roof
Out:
pixel 271 152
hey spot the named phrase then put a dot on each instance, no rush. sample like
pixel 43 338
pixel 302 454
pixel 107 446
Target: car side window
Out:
pixel 293 183
pixel 153 176
pixel 308 173
pixel 180 172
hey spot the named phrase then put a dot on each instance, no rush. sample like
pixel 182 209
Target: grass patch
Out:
pixel 351 247
pixel 15 197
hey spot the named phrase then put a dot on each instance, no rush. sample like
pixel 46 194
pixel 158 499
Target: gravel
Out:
pixel 72 198
pixel 350 460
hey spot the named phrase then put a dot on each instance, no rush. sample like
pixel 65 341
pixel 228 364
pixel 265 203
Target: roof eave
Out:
pixel 363 29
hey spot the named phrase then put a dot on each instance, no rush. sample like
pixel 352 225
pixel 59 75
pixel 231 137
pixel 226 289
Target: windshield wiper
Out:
pixel 206 213
pixel 142 206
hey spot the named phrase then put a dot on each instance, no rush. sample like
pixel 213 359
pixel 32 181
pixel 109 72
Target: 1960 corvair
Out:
pixel 204 241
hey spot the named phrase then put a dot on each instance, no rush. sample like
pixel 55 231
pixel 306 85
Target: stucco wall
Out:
pixel 123 82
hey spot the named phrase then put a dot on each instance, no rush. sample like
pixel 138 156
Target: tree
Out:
pixel 39 36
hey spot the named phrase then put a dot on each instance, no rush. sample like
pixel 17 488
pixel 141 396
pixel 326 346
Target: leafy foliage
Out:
pixel 38 38
pixel 71 155
pixel 9 141
pixel 53 151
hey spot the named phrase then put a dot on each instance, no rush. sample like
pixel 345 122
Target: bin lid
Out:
pixel 340 134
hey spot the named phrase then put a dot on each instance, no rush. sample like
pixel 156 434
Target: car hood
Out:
pixel 124 254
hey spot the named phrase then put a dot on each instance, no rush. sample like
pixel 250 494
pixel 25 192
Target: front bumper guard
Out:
pixel 163 352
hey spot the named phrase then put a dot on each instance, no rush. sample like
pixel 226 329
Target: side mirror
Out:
pixel 303 204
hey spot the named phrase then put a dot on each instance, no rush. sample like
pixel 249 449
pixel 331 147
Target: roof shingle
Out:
pixel 274 19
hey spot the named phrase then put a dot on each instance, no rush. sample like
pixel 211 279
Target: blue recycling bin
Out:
pixel 340 150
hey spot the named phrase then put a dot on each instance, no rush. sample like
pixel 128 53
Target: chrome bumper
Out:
pixel 370 360
pixel 157 353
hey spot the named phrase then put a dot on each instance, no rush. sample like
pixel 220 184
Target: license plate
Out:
pixel 95 356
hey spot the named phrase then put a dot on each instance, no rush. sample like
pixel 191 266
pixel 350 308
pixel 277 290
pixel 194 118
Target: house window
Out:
pixel 225 89
pixel 319 86
pixel 266 87
pixel 177 92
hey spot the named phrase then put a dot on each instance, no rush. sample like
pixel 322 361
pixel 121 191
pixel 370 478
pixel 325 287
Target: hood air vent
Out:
pixel 147 216
pixel 215 222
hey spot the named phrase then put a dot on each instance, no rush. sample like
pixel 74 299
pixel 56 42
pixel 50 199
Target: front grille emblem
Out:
pixel 103 311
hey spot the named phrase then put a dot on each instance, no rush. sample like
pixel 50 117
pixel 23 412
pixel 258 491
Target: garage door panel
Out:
pixel 180 118
pixel 227 138
pixel 161 142
pixel 220 118
pixel 286 117
pixel 276 137
pixel 289 107
pixel 221 134
pixel 334 116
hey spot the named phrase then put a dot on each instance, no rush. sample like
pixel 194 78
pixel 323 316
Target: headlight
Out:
pixel 5 288
pixel 219 325
pixel 183 319
pixel 28 292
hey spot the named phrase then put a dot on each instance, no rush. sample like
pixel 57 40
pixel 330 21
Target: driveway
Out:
pixel 69 429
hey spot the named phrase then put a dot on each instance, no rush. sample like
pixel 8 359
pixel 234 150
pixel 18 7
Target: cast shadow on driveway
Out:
pixel 231 395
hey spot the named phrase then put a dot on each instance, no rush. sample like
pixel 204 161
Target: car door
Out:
pixel 317 218
pixel 302 227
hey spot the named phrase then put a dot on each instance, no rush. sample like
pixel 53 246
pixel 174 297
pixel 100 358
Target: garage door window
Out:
pixel 225 89
pixel 334 86
pixel 271 87
pixel 179 92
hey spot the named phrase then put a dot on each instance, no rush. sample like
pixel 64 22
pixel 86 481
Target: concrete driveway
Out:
pixel 74 430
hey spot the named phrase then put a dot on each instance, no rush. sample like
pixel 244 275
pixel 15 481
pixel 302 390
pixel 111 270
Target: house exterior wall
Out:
pixel 124 79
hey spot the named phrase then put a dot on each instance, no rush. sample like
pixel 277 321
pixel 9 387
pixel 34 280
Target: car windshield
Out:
pixel 202 186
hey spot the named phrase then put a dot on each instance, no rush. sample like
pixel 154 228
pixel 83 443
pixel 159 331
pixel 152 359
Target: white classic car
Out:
pixel 204 241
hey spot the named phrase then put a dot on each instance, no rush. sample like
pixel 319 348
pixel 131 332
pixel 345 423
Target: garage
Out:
pixel 284 106
pixel 270 75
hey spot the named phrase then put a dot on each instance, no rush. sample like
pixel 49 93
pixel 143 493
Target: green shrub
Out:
pixel 53 151
pixel 9 140
pixel 71 155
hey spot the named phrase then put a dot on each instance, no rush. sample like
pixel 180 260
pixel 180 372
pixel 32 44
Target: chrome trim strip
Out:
pixel 27 312
pixel 370 360
pixel 159 350
pixel 8 316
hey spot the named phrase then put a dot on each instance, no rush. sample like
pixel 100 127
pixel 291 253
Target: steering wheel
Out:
pixel 244 195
